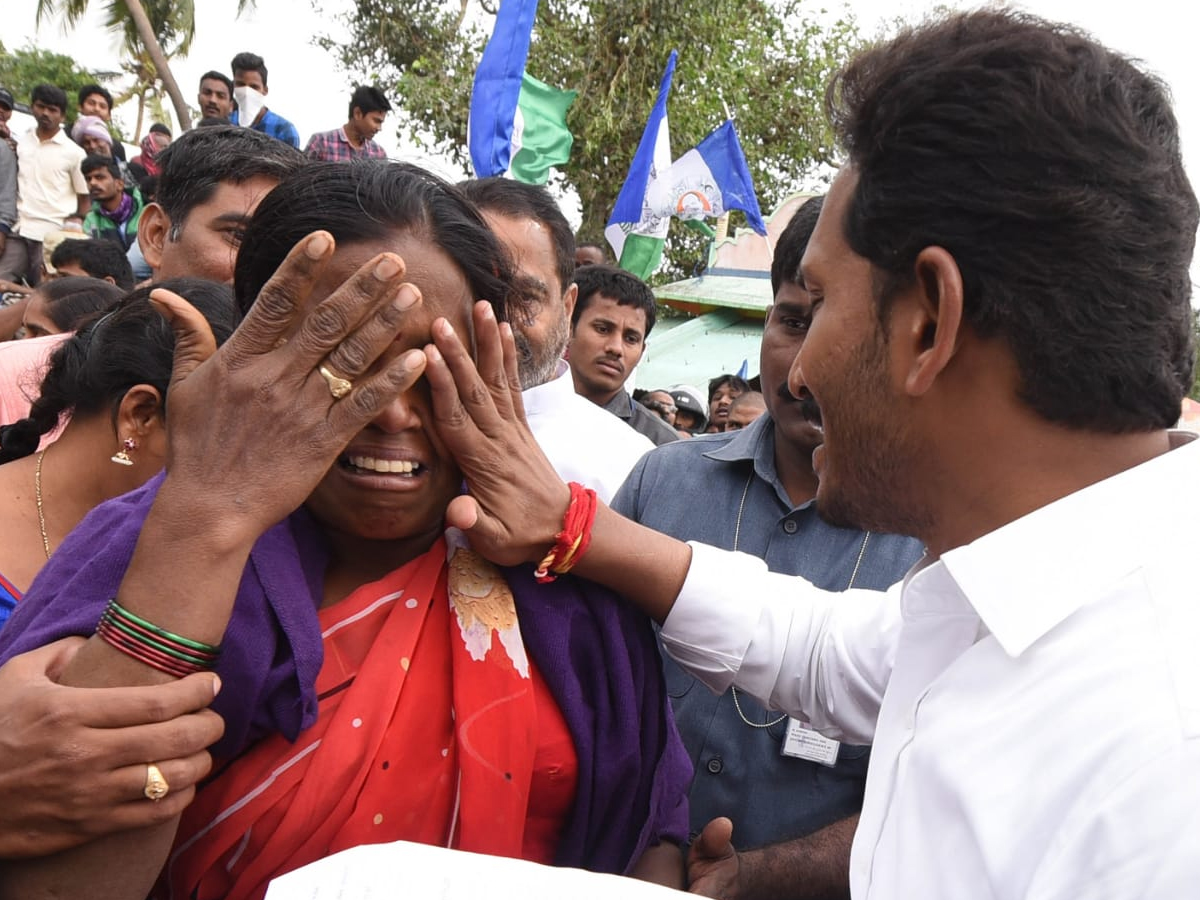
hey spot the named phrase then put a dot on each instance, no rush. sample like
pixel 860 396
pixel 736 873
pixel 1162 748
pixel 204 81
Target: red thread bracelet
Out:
pixel 572 542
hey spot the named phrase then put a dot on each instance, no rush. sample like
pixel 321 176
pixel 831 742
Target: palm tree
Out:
pixel 146 28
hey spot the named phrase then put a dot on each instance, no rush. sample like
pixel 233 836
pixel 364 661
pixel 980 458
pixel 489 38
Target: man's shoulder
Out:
pixel 649 424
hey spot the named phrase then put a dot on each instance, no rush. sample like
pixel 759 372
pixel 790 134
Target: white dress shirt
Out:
pixel 49 182
pixel 1033 697
pixel 584 442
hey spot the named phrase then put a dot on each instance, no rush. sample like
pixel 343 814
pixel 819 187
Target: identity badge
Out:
pixel 802 742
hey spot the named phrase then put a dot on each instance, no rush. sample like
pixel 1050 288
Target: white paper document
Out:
pixel 403 869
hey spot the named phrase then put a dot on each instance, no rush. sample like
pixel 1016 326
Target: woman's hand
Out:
pixel 517 501
pixel 255 425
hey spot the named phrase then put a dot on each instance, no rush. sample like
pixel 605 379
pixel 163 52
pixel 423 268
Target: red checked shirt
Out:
pixel 334 146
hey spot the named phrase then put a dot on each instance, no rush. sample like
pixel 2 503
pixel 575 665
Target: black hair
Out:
pixel 214 75
pixel 741 385
pixel 210 121
pixel 789 249
pixel 191 168
pixel 74 298
pixel 49 95
pixel 149 188
pixel 132 344
pixel 527 201
pixel 95 161
pixel 98 257
pixel 160 128
pixel 616 284
pixel 249 62
pixel 369 99
pixel 367 200
pixel 1049 167
pixel 88 89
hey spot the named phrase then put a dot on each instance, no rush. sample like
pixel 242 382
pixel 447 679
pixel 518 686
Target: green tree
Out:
pixel 22 70
pixel 768 60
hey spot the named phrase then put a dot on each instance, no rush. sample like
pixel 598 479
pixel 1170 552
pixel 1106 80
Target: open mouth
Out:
pixel 370 465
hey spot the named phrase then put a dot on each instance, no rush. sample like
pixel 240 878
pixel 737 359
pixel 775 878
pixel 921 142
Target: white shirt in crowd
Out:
pixel 49 181
pixel 1033 698
pixel 583 442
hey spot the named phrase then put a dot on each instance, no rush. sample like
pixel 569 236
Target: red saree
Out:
pixel 433 727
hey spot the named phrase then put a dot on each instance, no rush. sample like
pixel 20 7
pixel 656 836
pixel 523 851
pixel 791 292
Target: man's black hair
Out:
pixel 1049 167
pixel 517 200
pixel 789 250
pixel 369 99
pixel 616 284
pixel 191 168
pixel 98 257
pixel 213 75
pixel 95 161
pixel 49 95
pixel 249 62
pixel 88 89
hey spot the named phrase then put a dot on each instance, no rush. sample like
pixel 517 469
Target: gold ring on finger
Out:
pixel 156 786
pixel 338 386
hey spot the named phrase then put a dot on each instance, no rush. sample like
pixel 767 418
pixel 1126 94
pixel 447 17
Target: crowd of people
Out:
pixel 404 558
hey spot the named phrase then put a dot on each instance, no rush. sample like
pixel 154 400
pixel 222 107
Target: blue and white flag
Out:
pixel 635 231
pixel 517 124
pixel 707 182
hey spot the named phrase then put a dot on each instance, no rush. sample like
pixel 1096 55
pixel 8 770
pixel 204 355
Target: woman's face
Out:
pixel 394 479
pixel 36 319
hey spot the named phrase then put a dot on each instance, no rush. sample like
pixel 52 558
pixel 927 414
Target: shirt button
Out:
pixel 715 765
pixel 790 526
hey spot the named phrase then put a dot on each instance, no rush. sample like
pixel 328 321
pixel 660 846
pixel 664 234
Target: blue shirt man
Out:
pixel 752 490
pixel 250 90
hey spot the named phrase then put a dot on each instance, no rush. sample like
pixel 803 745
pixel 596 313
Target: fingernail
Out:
pixel 443 328
pixel 318 246
pixel 406 297
pixel 432 354
pixel 488 312
pixel 216 685
pixel 387 268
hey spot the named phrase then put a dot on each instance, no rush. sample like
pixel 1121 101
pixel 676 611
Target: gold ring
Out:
pixel 156 786
pixel 338 386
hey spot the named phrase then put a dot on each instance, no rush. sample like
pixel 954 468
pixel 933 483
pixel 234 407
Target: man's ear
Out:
pixel 927 319
pixel 569 298
pixel 153 233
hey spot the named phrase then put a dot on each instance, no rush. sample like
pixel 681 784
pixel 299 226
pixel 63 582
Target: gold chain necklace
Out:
pixel 37 493
pixel 737 532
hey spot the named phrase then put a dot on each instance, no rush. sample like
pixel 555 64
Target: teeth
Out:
pixel 390 466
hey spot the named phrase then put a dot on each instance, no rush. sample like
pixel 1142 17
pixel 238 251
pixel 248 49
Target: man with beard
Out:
pixel 115 211
pixel 1000 343
pixel 583 442
pixel 793 796
pixel 613 315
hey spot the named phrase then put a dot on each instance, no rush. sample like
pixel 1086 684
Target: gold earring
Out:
pixel 122 457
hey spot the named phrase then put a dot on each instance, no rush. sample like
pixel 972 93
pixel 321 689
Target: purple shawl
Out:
pixel 597 655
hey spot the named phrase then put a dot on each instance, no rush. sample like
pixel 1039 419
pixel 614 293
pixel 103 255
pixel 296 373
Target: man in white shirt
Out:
pixel 999 345
pixel 584 442
pixel 51 190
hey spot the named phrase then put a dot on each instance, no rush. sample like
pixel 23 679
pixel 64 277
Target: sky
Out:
pixel 307 88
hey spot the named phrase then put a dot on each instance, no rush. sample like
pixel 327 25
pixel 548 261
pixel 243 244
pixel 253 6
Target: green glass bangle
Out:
pixel 142 638
pixel 198 646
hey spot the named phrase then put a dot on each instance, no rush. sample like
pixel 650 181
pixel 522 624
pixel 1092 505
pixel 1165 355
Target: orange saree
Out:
pixel 433 727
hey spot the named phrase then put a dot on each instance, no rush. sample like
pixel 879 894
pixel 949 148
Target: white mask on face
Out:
pixel 250 103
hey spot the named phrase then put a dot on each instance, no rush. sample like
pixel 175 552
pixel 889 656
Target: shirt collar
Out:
pixel 756 442
pixel 548 395
pixel 1027 577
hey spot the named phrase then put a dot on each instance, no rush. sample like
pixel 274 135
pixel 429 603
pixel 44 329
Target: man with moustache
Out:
pixel 793 796
pixel 613 315
pixel 216 96
pixel 584 443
